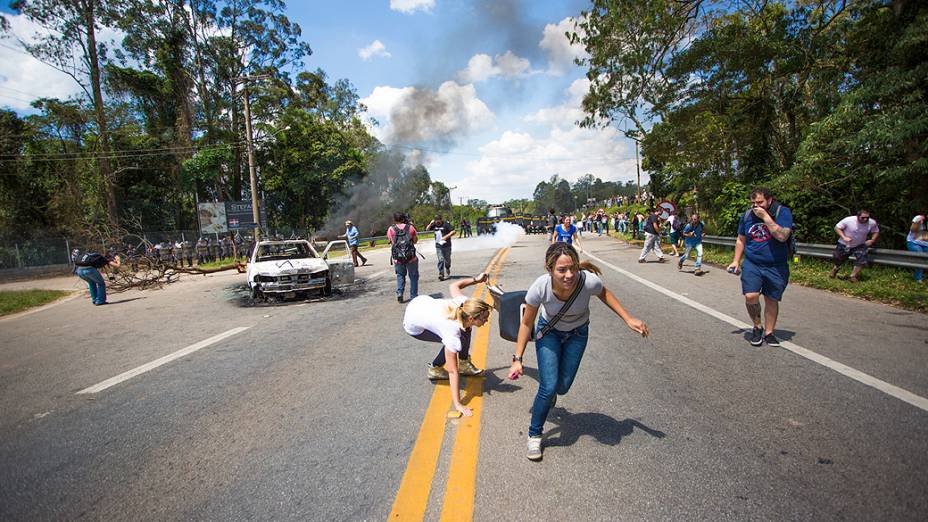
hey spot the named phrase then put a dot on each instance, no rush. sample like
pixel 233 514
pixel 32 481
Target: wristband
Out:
pixel 516 358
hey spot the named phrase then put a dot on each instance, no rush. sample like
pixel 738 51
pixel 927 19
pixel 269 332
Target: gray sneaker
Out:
pixel 534 448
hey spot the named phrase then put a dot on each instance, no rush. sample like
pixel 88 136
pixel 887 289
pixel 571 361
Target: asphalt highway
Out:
pixel 321 410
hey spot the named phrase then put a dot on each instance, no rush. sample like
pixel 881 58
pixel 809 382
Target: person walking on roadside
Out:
pixel 552 223
pixel 353 237
pixel 563 297
pixel 88 269
pixel 443 234
pixel 566 232
pixel 692 240
pixel 853 232
pixel 449 322
pixel 403 238
pixel 763 236
pixel 917 240
pixel 652 237
pixel 676 224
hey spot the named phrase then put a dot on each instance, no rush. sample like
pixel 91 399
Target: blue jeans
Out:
pixel 402 269
pixel 559 354
pixel 95 283
pixel 443 254
pixel 915 247
pixel 686 254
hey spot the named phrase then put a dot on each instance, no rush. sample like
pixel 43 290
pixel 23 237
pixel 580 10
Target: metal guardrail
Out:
pixel 879 256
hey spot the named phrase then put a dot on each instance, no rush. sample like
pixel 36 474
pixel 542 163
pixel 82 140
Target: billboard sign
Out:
pixel 223 216
pixel 239 216
pixel 212 218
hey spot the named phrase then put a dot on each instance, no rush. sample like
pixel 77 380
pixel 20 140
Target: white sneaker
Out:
pixel 534 448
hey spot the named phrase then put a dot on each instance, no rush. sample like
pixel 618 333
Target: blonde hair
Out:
pixel 468 310
pixel 556 250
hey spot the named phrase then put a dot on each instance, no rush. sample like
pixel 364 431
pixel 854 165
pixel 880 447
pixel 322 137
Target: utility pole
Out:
pixel 638 170
pixel 253 176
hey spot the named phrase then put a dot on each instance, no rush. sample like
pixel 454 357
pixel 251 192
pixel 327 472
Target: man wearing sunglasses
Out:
pixel 853 232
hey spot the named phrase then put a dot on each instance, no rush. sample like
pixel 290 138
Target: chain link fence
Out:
pixel 54 251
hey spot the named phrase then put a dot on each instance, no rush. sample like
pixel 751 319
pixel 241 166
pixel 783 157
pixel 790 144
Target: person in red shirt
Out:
pixel 403 238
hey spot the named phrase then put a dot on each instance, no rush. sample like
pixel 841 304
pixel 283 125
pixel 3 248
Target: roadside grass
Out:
pixel 884 284
pixel 879 283
pixel 12 301
pixel 220 263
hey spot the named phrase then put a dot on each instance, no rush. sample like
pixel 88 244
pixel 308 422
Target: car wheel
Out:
pixel 327 290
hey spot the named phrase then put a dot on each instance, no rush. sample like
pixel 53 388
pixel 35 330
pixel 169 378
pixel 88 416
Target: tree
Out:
pixel 630 44
pixel 71 28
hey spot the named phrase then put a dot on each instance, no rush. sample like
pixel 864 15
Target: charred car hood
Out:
pixel 289 266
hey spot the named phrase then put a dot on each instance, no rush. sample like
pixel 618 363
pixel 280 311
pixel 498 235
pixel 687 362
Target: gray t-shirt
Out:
pixel 541 295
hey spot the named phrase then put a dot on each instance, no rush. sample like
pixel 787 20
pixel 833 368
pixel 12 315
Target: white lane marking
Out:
pixel 859 376
pixel 164 360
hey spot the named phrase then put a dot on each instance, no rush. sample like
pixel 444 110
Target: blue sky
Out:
pixel 484 93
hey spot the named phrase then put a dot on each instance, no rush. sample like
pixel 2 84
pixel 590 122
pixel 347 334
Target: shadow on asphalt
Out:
pixel 121 301
pixel 605 429
pixel 783 335
pixel 496 383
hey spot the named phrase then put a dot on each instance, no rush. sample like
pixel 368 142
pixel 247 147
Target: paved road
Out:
pixel 321 410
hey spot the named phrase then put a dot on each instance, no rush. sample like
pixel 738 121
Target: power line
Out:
pixel 118 155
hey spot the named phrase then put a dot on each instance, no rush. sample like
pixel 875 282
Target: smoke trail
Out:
pixel 506 235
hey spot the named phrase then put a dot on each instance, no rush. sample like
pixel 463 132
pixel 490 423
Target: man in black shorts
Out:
pixel 853 241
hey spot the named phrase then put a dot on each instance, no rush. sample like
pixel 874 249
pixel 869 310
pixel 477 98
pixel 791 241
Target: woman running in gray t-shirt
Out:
pixel 560 350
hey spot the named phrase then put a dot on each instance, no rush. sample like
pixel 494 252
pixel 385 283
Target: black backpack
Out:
pixel 402 250
pixel 679 224
pixel 92 259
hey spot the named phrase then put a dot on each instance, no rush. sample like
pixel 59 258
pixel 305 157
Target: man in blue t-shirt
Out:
pixel 353 237
pixel 763 235
pixel 692 240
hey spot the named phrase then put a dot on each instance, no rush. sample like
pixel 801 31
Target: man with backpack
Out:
pixel 403 238
pixel 764 238
pixel 88 269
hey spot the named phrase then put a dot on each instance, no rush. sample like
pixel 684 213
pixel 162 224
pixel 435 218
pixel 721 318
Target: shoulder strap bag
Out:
pixel 567 304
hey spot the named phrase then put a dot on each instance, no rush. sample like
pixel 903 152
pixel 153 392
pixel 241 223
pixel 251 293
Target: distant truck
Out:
pixel 533 224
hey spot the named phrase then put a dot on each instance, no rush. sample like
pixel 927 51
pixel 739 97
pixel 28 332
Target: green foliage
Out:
pixel 824 102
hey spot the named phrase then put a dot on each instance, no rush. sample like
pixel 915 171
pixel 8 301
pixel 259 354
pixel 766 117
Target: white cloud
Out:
pixel 561 53
pixel 567 114
pixel 412 115
pixel 481 67
pixel 411 6
pixel 376 48
pixel 514 163
pixel 22 77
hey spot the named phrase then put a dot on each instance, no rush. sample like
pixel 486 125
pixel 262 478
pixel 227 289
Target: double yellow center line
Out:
pixel 413 495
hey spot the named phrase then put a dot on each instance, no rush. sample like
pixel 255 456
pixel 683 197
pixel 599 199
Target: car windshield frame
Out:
pixel 285 252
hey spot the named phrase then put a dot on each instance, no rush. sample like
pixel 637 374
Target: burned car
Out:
pixel 286 269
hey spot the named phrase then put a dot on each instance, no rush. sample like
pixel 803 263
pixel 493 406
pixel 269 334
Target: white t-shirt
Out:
pixel 914 236
pixel 857 231
pixel 426 313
